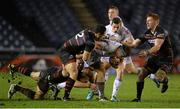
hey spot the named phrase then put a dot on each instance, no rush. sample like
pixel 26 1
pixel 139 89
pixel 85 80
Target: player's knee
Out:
pixel 142 75
pixel 39 94
pixel 100 78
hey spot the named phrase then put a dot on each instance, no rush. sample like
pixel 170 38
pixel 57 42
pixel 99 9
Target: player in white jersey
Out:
pixel 117 32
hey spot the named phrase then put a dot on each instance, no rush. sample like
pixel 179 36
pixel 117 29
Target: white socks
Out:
pixel 61 85
pixel 116 86
pixel 152 76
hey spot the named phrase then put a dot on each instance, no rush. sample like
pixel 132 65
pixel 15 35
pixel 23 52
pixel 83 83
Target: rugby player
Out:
pixel 48 78
pixel 84 41
pixel 160 54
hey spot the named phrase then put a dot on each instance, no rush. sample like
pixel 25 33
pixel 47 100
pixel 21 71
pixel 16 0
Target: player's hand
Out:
pixel 93 86
pixel 143 53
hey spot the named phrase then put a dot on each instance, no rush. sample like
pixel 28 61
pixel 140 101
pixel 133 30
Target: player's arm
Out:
pixel 128 36
pixel 79 84
pixel 86 55
pixel 101 44
pixel 133 44
pixel 158 43
pixel 87 52
pixel 79 56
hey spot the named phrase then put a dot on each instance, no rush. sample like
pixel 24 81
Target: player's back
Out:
pixel 77 43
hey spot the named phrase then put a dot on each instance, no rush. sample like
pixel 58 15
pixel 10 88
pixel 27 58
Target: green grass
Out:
pixel 151 98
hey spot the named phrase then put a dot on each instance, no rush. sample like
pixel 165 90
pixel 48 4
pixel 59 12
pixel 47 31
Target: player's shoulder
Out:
pixel 161 30
pixel 108 26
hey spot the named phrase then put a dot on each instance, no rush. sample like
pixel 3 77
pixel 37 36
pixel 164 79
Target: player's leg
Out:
pixel 18 68
pixel 39 93
pixel 100 79
pixel 150 67
pixel 129 65
pixel 117 82
pixel 101 84
pixel 41 89
pixel 91 93
pixel 16 88
pixel 154 79
pixel 71 68
pixel 166 66
pixel 130 68
pixel 24 70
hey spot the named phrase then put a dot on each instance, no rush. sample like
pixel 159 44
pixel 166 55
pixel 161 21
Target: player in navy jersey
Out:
pixel 82 42
pixel 160 54
pixel 48 78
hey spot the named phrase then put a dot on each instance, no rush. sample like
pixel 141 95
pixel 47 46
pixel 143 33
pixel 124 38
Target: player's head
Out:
pixel 152 20
pixel 99 31
pixel 113 11
pixel 114 61
pixel 116 24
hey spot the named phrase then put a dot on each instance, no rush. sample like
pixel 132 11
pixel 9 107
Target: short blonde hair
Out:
pixel 153 15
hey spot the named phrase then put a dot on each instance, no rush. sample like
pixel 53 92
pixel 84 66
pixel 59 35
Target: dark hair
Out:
pixel 113 7
pixel 153 15
pixel 116 20
pixel 100 29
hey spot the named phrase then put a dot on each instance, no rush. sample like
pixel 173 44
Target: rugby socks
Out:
pixel 140 86
pixel 23 70
pixel 116 86
pixel 27 92
pixel 152 76
pixel 106 76
pixel 100 86
pixel 61 85
pixel 69 85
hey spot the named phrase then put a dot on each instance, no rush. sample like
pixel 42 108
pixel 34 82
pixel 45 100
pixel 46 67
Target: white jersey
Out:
pixel 109 46
pixel 122 34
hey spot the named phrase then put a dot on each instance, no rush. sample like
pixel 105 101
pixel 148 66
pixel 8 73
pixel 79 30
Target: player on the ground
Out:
pixel 160 54
pixel 48 78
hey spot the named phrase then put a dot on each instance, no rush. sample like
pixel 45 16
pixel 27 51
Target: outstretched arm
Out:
pixel 79 84
pixel 154 49
pixel 133 44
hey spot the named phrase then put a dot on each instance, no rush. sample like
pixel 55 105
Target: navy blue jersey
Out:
pixel 54 75
pixel 166 48
pixel 80 42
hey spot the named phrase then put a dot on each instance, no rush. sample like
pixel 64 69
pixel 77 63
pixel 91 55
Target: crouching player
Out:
pixel 47 78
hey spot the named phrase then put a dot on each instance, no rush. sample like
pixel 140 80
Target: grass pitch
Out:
pixel 151 98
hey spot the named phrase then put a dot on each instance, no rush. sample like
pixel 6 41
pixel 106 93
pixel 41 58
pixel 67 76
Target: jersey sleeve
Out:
pixel 90 44
pixel 125 34
pixel 161 34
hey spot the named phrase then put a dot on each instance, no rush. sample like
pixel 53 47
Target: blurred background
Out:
pixel 32 30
